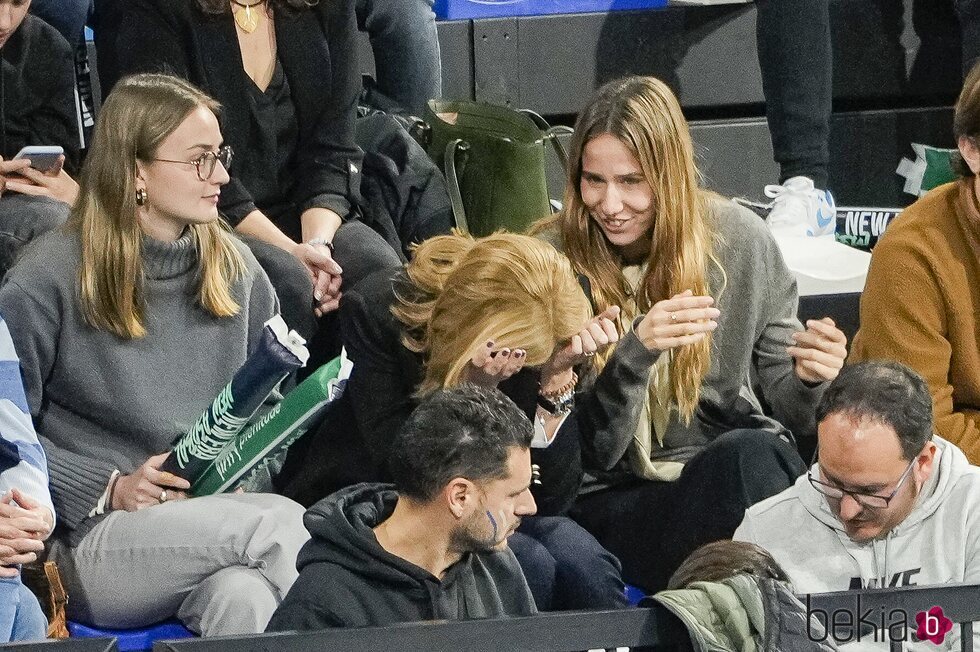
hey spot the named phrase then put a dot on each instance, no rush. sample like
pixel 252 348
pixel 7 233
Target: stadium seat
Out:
pixel 140 638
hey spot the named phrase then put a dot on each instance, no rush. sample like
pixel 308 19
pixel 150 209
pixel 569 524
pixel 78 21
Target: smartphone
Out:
pixel 43 158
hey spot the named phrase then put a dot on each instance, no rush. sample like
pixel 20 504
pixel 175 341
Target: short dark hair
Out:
pixel 717 561
pixel 462 432
pixel 885 392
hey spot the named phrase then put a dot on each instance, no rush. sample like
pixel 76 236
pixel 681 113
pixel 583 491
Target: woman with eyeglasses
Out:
pixel 285 72
pixel 676 441
pixel 128 321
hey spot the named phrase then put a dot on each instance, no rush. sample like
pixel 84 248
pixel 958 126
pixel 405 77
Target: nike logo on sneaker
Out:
pixel 826 212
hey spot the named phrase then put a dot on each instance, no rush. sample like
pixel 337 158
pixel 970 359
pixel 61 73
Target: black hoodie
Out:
pixel 346 579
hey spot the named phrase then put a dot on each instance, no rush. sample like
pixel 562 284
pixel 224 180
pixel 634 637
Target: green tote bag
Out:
pixel 494 161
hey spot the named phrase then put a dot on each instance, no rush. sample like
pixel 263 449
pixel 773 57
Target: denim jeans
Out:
pixel 565 566
pixel 21 618
pixel 66 16
pixel 406 49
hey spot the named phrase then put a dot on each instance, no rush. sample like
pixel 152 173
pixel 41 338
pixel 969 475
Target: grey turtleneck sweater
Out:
pixel 101 403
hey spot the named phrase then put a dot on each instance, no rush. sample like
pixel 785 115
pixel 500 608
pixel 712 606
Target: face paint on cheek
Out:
pixel 493 522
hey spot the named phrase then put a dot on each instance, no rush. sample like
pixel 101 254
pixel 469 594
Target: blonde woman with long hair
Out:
pixel 505 310
pixel 129 321
pixel 676 441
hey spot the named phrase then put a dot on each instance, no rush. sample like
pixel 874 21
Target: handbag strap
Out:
pixel 452 182
pixel 551 134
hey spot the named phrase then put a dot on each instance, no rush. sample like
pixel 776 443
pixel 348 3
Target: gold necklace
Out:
pixel 245 18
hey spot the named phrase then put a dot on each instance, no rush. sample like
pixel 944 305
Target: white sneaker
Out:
pixel 798 208
pixel 802 221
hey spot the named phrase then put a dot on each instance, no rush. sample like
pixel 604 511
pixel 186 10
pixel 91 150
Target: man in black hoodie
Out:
pixel 434 544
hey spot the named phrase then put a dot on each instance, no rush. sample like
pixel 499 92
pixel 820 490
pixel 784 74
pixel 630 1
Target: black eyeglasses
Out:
pixel 206 162
pixel 869 501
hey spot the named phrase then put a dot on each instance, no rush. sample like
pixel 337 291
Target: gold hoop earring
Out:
pixel 141 196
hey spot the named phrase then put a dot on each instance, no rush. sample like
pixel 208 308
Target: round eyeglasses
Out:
pixel 206 162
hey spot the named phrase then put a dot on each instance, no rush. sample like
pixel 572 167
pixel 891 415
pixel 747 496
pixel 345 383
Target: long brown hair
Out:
pixel 644 115
pixel 513 289
pixel 137 117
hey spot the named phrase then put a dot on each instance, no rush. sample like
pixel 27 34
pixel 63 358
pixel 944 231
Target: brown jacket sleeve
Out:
pixel 908 307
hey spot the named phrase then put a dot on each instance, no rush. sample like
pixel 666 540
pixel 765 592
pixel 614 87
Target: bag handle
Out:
pixel 452 182
pixel 551 134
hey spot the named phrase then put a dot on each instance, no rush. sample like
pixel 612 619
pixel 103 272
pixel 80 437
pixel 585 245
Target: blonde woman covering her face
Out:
pixel 129 320
pixel 707 304
pixel 506 311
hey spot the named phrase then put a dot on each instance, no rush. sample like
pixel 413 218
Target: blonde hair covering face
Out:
pixel 512 289
pixel 644 115
pixel 136 118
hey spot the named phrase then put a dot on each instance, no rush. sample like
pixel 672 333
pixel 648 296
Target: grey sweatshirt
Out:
pixel 756 295
pixel 101 403
pixel 937 543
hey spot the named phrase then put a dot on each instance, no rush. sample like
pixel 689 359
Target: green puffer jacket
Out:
pixel 745 614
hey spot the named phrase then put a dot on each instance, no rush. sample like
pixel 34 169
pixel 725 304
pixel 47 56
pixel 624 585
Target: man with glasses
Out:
pixel 886 503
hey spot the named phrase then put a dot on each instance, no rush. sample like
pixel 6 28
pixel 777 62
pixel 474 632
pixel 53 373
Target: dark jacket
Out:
pixel 405 196
pixel 318 55
pixel 37 88
pixel 352 444
pixel 346 579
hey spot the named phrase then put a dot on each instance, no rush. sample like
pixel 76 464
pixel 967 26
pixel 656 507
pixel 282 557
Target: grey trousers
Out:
pixel 221 564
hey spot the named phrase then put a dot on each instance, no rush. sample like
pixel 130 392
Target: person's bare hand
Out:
pixel 489 366
pixel 819 351
pixel 677 321
pixel 56 183
pixel 148 486
pixel 325 273
pixel 596 335
pixel 22 533
pixel 10 167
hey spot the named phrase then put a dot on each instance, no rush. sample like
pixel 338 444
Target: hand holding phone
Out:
pixel 43 158
pixel 23 175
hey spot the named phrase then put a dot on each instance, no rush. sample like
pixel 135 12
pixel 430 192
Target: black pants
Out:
pixel 793 41
pixel 653 526
pixel 357 249
pixel 968 12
